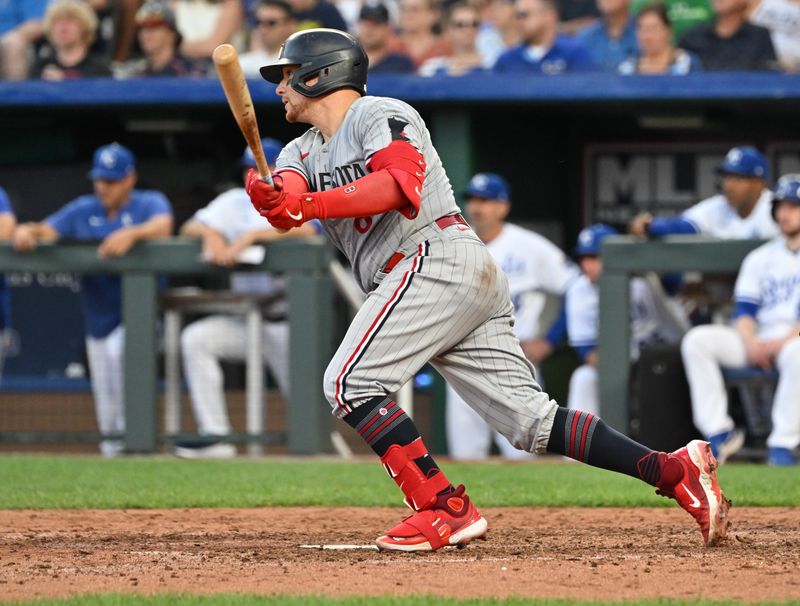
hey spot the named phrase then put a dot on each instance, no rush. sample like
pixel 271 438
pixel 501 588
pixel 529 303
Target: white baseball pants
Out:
pixel 205 343
pixel 706 349
pixel 106 363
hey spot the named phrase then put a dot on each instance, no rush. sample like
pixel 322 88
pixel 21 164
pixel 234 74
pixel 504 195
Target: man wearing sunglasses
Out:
pixel 543 50
pixel 275 21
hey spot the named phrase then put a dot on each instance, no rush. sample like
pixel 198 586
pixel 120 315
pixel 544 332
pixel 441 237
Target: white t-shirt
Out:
pixel 782 19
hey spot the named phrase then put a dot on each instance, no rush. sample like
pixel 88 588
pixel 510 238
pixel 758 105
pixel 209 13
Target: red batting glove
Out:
pixel 264 196
pixel 292 210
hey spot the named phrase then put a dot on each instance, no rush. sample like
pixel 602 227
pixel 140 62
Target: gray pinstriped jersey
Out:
pixel 371 123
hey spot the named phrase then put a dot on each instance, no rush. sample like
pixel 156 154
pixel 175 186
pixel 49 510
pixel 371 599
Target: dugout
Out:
pixel 575 148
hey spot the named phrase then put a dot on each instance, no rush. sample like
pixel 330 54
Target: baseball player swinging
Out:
pixel 368 170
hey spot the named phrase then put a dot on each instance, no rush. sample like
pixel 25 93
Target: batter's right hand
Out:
pixel 264 196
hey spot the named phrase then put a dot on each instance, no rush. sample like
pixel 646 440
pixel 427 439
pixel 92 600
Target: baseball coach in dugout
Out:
pixel 368 170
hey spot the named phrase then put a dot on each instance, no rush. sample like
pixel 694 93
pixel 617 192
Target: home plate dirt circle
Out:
pixel 578 553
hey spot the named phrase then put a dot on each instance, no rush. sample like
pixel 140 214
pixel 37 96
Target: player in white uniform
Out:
pixel 535 268
pixel 368 170
pixel 228 226
pixel 120 216
pixel 654 318
pixel 766 333
pixel 742 210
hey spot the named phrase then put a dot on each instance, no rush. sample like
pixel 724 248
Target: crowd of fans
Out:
pixel 66 39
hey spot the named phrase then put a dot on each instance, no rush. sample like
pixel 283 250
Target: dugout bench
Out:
pixel 624 256
pixel 305 263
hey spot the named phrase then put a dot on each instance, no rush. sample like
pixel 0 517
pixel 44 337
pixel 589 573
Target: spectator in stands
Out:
pixel 461 30
pixel 419 31
pixel 70 27
pixel 228 226
pixel 7 224
pixel 765 335
pixel 543 49
pixel 20 26
pixel 655 318
pixel 612 38
pixel 275 21
pixel 317 13
pixel 159 40
pixel 682 13
pixel 742 210
pixel 374 32
pixel 782 19
pixel 498 31
pixel 576 15
pixel 120 216
pixel 730 42
pixel 205 24
pixel 536 269
pixel 657 53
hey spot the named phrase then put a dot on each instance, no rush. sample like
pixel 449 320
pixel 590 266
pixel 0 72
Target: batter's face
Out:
pixel 787 214
pixel 592 266
pixel 295 105
pixel 114 194
pixel 486 216
pixel 742 192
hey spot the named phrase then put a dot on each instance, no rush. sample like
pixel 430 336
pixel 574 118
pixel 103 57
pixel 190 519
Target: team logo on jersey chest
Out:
pixel 341 175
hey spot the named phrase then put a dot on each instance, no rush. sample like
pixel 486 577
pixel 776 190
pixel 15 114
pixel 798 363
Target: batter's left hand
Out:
pixel 263 195
pixel 291 211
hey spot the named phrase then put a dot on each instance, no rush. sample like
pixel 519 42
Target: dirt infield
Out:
pixel 573 553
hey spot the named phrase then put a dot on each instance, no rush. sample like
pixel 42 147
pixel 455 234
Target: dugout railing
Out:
pixel 305 264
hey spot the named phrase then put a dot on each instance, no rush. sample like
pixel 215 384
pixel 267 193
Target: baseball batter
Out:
pixel 767 325
pixel 368 170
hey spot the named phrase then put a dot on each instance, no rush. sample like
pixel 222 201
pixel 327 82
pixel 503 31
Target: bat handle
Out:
pixel 267 179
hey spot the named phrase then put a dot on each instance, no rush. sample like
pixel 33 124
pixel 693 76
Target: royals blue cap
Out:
pixel 490 186
pixel 272 149
pixel 744 162
pixel 112 163
pixel 590 239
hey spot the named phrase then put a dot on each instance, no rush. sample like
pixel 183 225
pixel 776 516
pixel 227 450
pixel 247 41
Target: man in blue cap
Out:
pixel 119 216
pixel 742 210
pixel 228 226
pixel 537 270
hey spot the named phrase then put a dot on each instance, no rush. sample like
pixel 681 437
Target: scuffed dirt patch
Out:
pixel 570 553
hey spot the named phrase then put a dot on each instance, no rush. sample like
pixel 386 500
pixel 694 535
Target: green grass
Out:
pixel 247 600
pixel 44 482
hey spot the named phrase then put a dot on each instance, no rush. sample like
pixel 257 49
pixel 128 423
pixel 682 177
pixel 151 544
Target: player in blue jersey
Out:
pixel 7 224
pixel 118 215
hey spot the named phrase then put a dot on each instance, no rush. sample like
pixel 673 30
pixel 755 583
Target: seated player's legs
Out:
pixel 785 410
pixel 705 350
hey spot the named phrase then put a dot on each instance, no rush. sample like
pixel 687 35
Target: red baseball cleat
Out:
pixel 698 491
pixel 452 520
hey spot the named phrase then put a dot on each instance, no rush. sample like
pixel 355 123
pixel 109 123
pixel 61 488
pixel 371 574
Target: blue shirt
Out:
pixel 16 12
pixel 85 219
pixel 606 52
pixel 5 298
pixel 566 55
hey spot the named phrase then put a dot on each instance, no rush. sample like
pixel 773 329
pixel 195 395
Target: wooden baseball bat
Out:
pixel 238 95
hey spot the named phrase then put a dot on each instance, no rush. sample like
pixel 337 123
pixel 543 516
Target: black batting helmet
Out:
pixel 333 56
